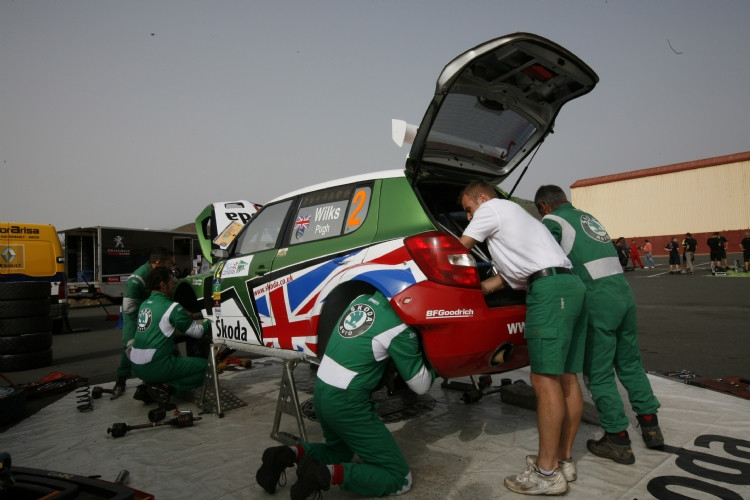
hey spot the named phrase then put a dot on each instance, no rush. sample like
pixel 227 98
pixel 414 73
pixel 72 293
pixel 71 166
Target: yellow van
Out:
pixel 32 252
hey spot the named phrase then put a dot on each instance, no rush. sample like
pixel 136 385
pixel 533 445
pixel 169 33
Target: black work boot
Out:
pixel 312 476
pixel 650 431
pixel 140 394
pixel 158 393
pixel 275 462
pixel 606 447
pixel 119 388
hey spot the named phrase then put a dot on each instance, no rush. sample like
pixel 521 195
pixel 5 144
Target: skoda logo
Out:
pixel 594 229
pixel 144 319
pixel 356 321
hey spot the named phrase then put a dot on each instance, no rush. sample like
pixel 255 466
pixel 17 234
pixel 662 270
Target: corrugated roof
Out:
pixel 666 169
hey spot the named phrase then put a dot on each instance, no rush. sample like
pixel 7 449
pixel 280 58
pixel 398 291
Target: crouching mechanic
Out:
pixel 366 336
pixel 155 359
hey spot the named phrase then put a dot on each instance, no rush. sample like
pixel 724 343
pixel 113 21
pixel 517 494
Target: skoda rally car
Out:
pixel 279 284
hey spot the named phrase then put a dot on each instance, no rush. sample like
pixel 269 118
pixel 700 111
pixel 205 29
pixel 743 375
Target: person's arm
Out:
pixel 407 355
pixel 493 284
pixel 182 321
pixel 468 242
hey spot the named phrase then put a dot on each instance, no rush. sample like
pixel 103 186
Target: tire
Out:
pixel 24 308
pixel 11 327
pixel 24 290
pixel 28 342
pixel 12 404
pixel 25 361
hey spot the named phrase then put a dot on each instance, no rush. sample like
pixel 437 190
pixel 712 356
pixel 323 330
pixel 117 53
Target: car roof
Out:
pixel 383 174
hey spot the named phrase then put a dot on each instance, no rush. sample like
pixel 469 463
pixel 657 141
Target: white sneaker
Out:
pixel 567 466
pixel 533 482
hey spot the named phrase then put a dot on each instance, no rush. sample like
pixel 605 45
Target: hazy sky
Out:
pixel 138 113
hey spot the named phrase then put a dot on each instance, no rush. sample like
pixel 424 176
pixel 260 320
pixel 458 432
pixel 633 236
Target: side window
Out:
pixel 330 212
pixel 262 232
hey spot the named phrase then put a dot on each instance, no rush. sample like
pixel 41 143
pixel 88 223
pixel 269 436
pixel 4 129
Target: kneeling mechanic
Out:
pixel 155 358
pixel 366 336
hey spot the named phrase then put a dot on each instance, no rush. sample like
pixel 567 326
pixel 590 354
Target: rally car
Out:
pixel 280 284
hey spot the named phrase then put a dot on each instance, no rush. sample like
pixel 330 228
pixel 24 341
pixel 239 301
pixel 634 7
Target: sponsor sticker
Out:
pixel 449 313
pixel 236 267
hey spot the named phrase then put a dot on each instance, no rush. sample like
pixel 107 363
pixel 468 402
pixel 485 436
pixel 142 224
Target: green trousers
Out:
pixel 179 373
pixel 350 425
pixel 612 350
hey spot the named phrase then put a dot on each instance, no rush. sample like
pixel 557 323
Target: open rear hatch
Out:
pixel 492 106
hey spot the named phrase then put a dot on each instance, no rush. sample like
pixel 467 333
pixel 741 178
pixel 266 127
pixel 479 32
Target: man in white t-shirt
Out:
pixel 528 257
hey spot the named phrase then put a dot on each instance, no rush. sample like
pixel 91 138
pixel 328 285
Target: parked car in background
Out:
pixel 279 287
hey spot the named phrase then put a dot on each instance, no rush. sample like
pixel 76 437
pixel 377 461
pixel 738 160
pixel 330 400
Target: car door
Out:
pixel 326 232
pixel 248 268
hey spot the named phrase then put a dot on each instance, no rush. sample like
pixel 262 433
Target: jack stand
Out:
pixel 288 403
pixel 211 379
pixel 209 397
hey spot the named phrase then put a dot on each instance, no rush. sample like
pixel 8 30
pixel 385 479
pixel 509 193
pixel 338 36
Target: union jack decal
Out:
pixel 302 223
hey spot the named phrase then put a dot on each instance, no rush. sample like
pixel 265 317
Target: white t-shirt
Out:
pixel 519 244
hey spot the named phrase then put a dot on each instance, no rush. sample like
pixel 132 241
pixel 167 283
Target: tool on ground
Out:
pixel 122 477
pixel 183 419
pixel 97 392
pixel 157 414
pixel 225 359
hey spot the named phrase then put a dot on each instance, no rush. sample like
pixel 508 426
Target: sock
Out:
pixel 620 438
pixel 648 420
pixel 337 473
pixel 545 472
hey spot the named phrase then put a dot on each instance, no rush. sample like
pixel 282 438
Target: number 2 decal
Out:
pixel 360 197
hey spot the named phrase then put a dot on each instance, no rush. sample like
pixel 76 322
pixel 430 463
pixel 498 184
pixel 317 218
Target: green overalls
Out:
pixel 366 336
pixel 612 338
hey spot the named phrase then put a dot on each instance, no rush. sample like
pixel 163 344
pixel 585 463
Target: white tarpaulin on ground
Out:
pixel 455 450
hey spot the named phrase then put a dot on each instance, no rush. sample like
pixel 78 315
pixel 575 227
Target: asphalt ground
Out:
pixel 696 324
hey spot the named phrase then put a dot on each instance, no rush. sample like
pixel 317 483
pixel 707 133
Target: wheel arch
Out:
pixel 185 295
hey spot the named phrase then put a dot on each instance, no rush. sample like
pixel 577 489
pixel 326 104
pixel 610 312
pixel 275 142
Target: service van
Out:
pixel 32 252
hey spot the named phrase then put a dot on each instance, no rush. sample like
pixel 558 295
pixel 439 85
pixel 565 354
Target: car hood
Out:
pixel 493 105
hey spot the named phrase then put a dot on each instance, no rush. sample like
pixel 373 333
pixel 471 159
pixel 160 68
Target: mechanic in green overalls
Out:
pixel 366 336
pixel 155 359
pixel 612 338
pixel 136 292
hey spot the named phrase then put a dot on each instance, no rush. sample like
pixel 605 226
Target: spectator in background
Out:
pixel 716 246
pixel 620 246
pixel 674 256
pixel 724 245
pixel 689 244
pixel 648 257
pixel 745 246
pixel 635 256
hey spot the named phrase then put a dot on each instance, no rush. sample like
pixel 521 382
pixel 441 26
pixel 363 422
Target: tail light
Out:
pixel 62 295
pixel 443 259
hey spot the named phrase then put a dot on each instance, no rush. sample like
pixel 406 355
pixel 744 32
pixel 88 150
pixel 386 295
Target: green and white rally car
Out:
pixel 279 283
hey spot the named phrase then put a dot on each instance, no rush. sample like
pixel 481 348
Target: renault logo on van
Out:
pixel 8 255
